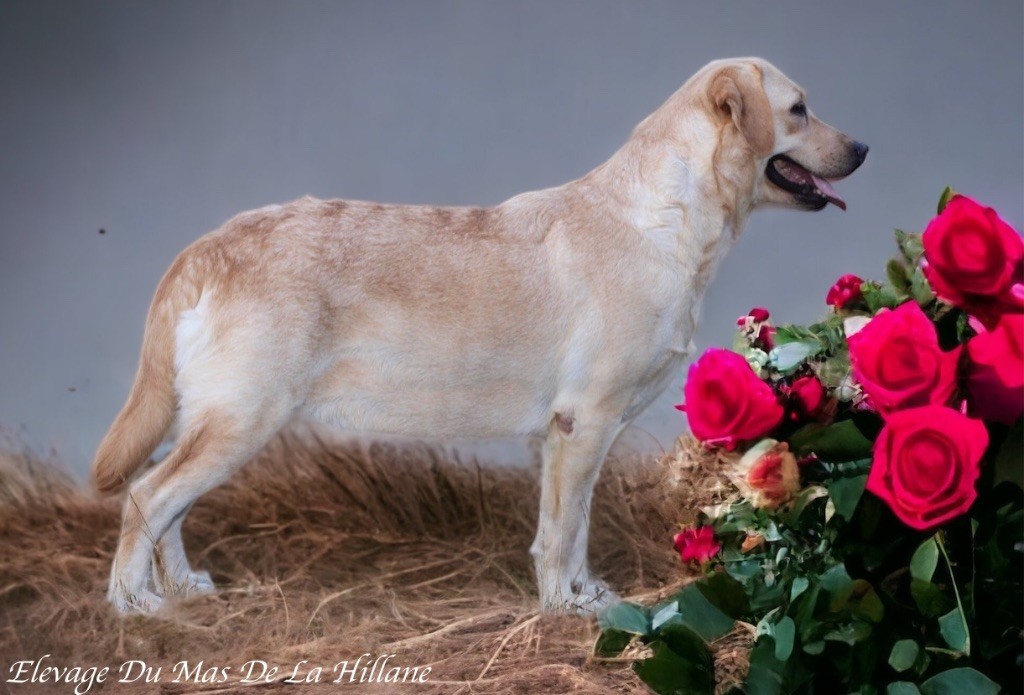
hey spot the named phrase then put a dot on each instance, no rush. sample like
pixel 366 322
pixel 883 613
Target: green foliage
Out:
pixel 959 681
pixel 680 664
pixel 677 633
pixel 947 193
pixel 840 441
pixel 924 560
pixel 904 655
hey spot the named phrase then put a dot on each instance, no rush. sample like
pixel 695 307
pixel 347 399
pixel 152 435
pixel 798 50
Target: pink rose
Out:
pixel 697 545
pixel 897 361
pixel 845 292
pixel 975 260
pixel 995 375
pixel 726 402
pixel 925 464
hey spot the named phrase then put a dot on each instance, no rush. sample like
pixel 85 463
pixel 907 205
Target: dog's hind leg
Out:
pixel 171 571
pixel 208 452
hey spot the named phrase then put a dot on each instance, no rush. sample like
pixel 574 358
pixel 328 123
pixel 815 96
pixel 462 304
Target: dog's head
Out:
pixel 766 118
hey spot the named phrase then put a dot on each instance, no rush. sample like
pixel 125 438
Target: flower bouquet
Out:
pixel 875 542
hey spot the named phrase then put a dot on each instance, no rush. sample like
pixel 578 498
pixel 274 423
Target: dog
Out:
pixel 562 312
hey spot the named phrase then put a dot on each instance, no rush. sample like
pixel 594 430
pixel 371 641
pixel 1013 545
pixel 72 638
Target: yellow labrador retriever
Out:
pixel 563 312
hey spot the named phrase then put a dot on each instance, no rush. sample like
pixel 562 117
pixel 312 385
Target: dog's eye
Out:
pixel 799 109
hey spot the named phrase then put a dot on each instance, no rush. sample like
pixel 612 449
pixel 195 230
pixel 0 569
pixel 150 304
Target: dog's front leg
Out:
pixel 572 458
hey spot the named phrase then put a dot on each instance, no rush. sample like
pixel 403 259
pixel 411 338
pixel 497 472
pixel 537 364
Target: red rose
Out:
pixel 697 545
pixel 897 361
pixel 844 292
pixel 975 260
pixel 765 338
pixel 806 398
pixel 995 376
pixel 726 402
pixel 926 464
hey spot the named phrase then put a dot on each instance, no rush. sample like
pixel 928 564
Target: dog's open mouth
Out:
pixel 808 187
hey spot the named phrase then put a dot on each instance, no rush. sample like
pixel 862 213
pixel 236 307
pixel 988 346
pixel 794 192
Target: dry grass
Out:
pixel 324 552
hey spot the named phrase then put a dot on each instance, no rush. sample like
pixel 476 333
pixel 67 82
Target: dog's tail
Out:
pixel 145 419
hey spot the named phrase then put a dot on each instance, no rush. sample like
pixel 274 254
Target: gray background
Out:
pixel 158 121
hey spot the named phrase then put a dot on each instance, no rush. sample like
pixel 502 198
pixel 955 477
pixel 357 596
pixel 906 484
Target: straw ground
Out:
pixel 324 552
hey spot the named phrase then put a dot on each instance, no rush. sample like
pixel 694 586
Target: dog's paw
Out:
pixel 199 583
pixel 191 583
pixel 587 597
pixel 136 602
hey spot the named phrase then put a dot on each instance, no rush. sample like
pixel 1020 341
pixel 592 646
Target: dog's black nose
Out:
pixel 860 150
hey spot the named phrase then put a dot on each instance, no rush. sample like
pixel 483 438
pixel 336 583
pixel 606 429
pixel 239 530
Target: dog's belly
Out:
pixel 402 390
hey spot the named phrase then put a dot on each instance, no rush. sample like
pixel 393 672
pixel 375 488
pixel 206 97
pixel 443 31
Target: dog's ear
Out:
pixel 737 92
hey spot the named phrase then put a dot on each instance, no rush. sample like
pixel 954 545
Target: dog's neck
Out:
pixel 677 196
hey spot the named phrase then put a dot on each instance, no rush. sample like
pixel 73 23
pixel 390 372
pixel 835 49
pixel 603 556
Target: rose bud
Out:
pixel 845 292
pixel 975 260
pixel 726 402
pixel 753 541
pixel 806 398
pixel 770 473
pixel 759 314
pixel 697 545
pixel 925 464
pixel 765 338
pixel 898 363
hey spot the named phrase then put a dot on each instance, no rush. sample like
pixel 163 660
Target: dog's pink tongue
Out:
pixel 826 189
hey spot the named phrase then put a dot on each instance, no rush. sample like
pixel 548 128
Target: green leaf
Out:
pixel 833 371
pixel 954 631
pixel 896 271
pixel 925 560
pixel 814 648
pixel 802 501
pixel 956 636
pixel 668 612
pixel 793 333
pixel 612 642
pixel 904 654
pixel 864 601
pixel 765 675
pixel 701 616
pixel 785 634
pixel 846 494
pixel 902 688
pixel 959 681
pixel 947 193
pixel 849 633
pixel 930 599
pixel 800 585
pixel 627 617
pixel 725 593
pixel 680 665
pixel 878 296
pixel 836 580
pixel 920 289
pixel 910 246
pixel 787 357
pixel 839 442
